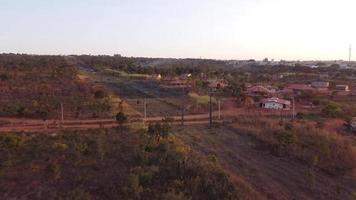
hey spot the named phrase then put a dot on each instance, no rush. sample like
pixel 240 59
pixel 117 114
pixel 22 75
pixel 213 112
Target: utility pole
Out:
pixel 62 111
pixel 145 111
pixel 350 52
pixel 210 110
pixel 182 111
pixel 219 108
pixel 293 107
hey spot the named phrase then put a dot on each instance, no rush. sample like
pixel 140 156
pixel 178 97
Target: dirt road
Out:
pixel 33 125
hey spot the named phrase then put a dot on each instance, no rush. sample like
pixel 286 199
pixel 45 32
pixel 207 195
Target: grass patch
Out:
pixel 201 99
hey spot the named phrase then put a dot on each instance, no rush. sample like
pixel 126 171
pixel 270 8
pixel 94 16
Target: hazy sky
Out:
pixel 222 29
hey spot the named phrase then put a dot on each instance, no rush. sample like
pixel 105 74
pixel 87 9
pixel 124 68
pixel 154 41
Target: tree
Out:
pixel 249 102
pixel 331 110
pixel 121 118
pixel 99 94
pixel 160 129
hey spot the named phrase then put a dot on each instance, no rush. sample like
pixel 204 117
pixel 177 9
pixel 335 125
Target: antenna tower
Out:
pixel 350 51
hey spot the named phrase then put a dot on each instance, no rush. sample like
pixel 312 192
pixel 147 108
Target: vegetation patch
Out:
pixel 39 86
pixel 330 152
pixel 108 164
pixel 201 99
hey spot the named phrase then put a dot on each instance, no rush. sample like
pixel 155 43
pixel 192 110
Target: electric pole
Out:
pixel 145 110
pixel 182 111
pixel 210 109
pixel 219 108
pixel 62 111
pixel 293 107
pixel 350 52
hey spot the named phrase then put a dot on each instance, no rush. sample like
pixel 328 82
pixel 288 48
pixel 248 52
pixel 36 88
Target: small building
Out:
pixel 353 92
pixel 217 84
pixel 342 88
pixel 176 83
pixel 353 124
pixel 320 84
pixel 298 89
pixel 275 104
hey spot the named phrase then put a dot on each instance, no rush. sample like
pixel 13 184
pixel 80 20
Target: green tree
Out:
pixel 331 110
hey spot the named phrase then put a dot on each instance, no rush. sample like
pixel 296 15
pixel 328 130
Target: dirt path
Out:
pixel 272 177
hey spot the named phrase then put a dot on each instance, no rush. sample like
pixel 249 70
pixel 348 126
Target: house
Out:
pixel 176 83
pixel 353 124
pixel 217 84
pixel 298 89
pixel 275 103
pixel 320 84
pixel 353 92
pixel 342 88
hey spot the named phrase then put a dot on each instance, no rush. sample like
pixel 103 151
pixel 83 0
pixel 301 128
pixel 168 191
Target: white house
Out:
pixel 320 84
pixel 275 103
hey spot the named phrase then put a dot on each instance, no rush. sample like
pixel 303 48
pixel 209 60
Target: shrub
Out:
pixel 331 110
pixel 55 169
pixel 121 118
pixel 99 94
pixel 60 146
pixel 10 140
pixel 300 115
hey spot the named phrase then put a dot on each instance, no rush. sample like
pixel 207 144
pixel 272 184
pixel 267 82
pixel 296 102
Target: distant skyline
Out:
pixel 213 29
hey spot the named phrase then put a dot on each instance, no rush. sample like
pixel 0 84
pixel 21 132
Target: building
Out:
pixel 320 84
pixel 342 88
pixel 217 84
pixel 176 83
pixel 275 103
pixel 298 89
pixel 353 124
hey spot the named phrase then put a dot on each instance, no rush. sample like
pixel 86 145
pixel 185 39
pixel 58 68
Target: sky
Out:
pixel 215 29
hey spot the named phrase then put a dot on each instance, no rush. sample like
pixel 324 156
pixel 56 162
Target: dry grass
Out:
pixel 201 99
pixel 119 104
pixel 328 151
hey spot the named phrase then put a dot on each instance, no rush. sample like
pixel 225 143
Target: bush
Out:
pixel 60 146
pixel 331 110
pixel 99 94
pixel 300 115
pixel 121 118
pixel 10 141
